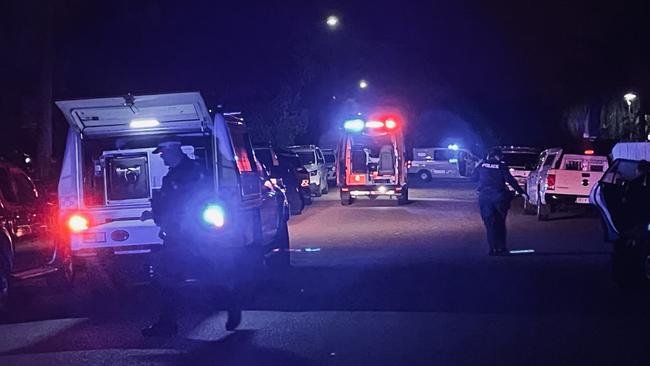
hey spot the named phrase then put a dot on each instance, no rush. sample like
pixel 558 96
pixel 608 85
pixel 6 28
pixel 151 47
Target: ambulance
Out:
pixel 371 159
pixel 110 174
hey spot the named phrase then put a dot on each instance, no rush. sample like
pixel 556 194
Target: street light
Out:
pixel 363 84
pixel 332 21
pixel 629 98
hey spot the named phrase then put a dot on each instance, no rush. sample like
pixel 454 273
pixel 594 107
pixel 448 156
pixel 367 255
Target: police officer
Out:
pixel 494 198
pixel 186 181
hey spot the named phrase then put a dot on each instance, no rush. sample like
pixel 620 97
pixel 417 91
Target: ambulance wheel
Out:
pixel 346 199
pixel 279 256
pixel 424 175
pixel 64 277
pixel 404 198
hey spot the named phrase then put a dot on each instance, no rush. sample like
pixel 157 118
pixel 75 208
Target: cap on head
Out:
pixel 494 153
pixel 166 145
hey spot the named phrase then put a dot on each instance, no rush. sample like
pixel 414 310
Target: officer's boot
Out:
pixel 234 319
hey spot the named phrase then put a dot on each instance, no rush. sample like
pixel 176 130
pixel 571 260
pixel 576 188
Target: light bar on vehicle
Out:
pixel 390 124
pixel 453 147
pixel 374 124
pixel 355 125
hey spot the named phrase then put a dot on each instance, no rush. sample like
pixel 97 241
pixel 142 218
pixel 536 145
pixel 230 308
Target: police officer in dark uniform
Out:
pixel 185 183
pixel 494 198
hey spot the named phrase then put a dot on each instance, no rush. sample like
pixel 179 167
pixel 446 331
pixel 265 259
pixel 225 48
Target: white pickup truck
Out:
pixel 562 179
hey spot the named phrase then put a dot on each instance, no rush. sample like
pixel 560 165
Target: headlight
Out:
pixel 313 173
pixel 214 215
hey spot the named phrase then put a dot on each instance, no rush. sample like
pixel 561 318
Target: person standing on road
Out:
pixel 185 182
pixel 494 198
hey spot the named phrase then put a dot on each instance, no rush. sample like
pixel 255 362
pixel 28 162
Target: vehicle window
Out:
pixel 25 188
pixel 243 150
pixel 6 188
pixel 623 171
pixel 307 157
pixel 520 160
pixel 329 158
pixel 444 155
pixel 573 165
pixel 264 157
pixel 549 160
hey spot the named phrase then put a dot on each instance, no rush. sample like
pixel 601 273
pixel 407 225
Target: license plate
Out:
pixel 582 200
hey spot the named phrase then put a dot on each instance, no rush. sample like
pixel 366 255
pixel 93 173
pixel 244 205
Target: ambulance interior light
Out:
pixel 144 123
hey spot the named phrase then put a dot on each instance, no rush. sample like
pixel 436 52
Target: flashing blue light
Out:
pixel 453 147
pixel 355 125
pixel 214 215
pixel 453 160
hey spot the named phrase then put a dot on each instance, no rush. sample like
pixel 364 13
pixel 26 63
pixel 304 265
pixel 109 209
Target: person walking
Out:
pixel 494 198
pixel 186 182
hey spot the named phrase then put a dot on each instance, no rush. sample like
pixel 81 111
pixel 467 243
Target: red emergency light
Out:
pixel 78 223
pixel 589 152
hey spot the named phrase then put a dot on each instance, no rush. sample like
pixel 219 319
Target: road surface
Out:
pixel 377 284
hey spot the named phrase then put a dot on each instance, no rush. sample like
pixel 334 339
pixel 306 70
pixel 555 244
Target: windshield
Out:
pixel 307 157
pixel 520 160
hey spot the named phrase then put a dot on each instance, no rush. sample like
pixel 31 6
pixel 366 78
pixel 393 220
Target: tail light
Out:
pixel 550 181
pixel 78 223
pixel 304 183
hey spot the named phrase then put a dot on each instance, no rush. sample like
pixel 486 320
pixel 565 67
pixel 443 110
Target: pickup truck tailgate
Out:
pixel 572 182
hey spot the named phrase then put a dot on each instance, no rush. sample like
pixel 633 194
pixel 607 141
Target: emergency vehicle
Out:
pixel 371 160
pixel 562 179
pixel 442 162
pixel 110 174
pixel 623 197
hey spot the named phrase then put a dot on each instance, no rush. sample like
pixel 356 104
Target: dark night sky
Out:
pixel 516 64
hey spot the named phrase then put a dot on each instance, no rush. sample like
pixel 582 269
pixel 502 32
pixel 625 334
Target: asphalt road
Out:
pixel 377 284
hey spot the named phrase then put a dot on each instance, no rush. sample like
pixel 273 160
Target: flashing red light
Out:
pixel 374 124
pixel 78 223
pixel 550 181
pixel 390 124
pixel 589 152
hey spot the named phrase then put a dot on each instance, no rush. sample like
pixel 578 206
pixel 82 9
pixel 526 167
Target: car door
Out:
pixel 33 223
pixel 531 185
pixel 320 162
pixel 256 188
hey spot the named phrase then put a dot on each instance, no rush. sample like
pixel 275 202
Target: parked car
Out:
pixel 521 161
pixel 291 160
pixel 623 198
pixel 562 179
pixel 110 174
pixel 282 175
pixel 312 159
pixel 29 245
pixel 330 163
pixel 442 162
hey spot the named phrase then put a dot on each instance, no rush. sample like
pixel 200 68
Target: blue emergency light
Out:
pixel 453 147
pixel 354 125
